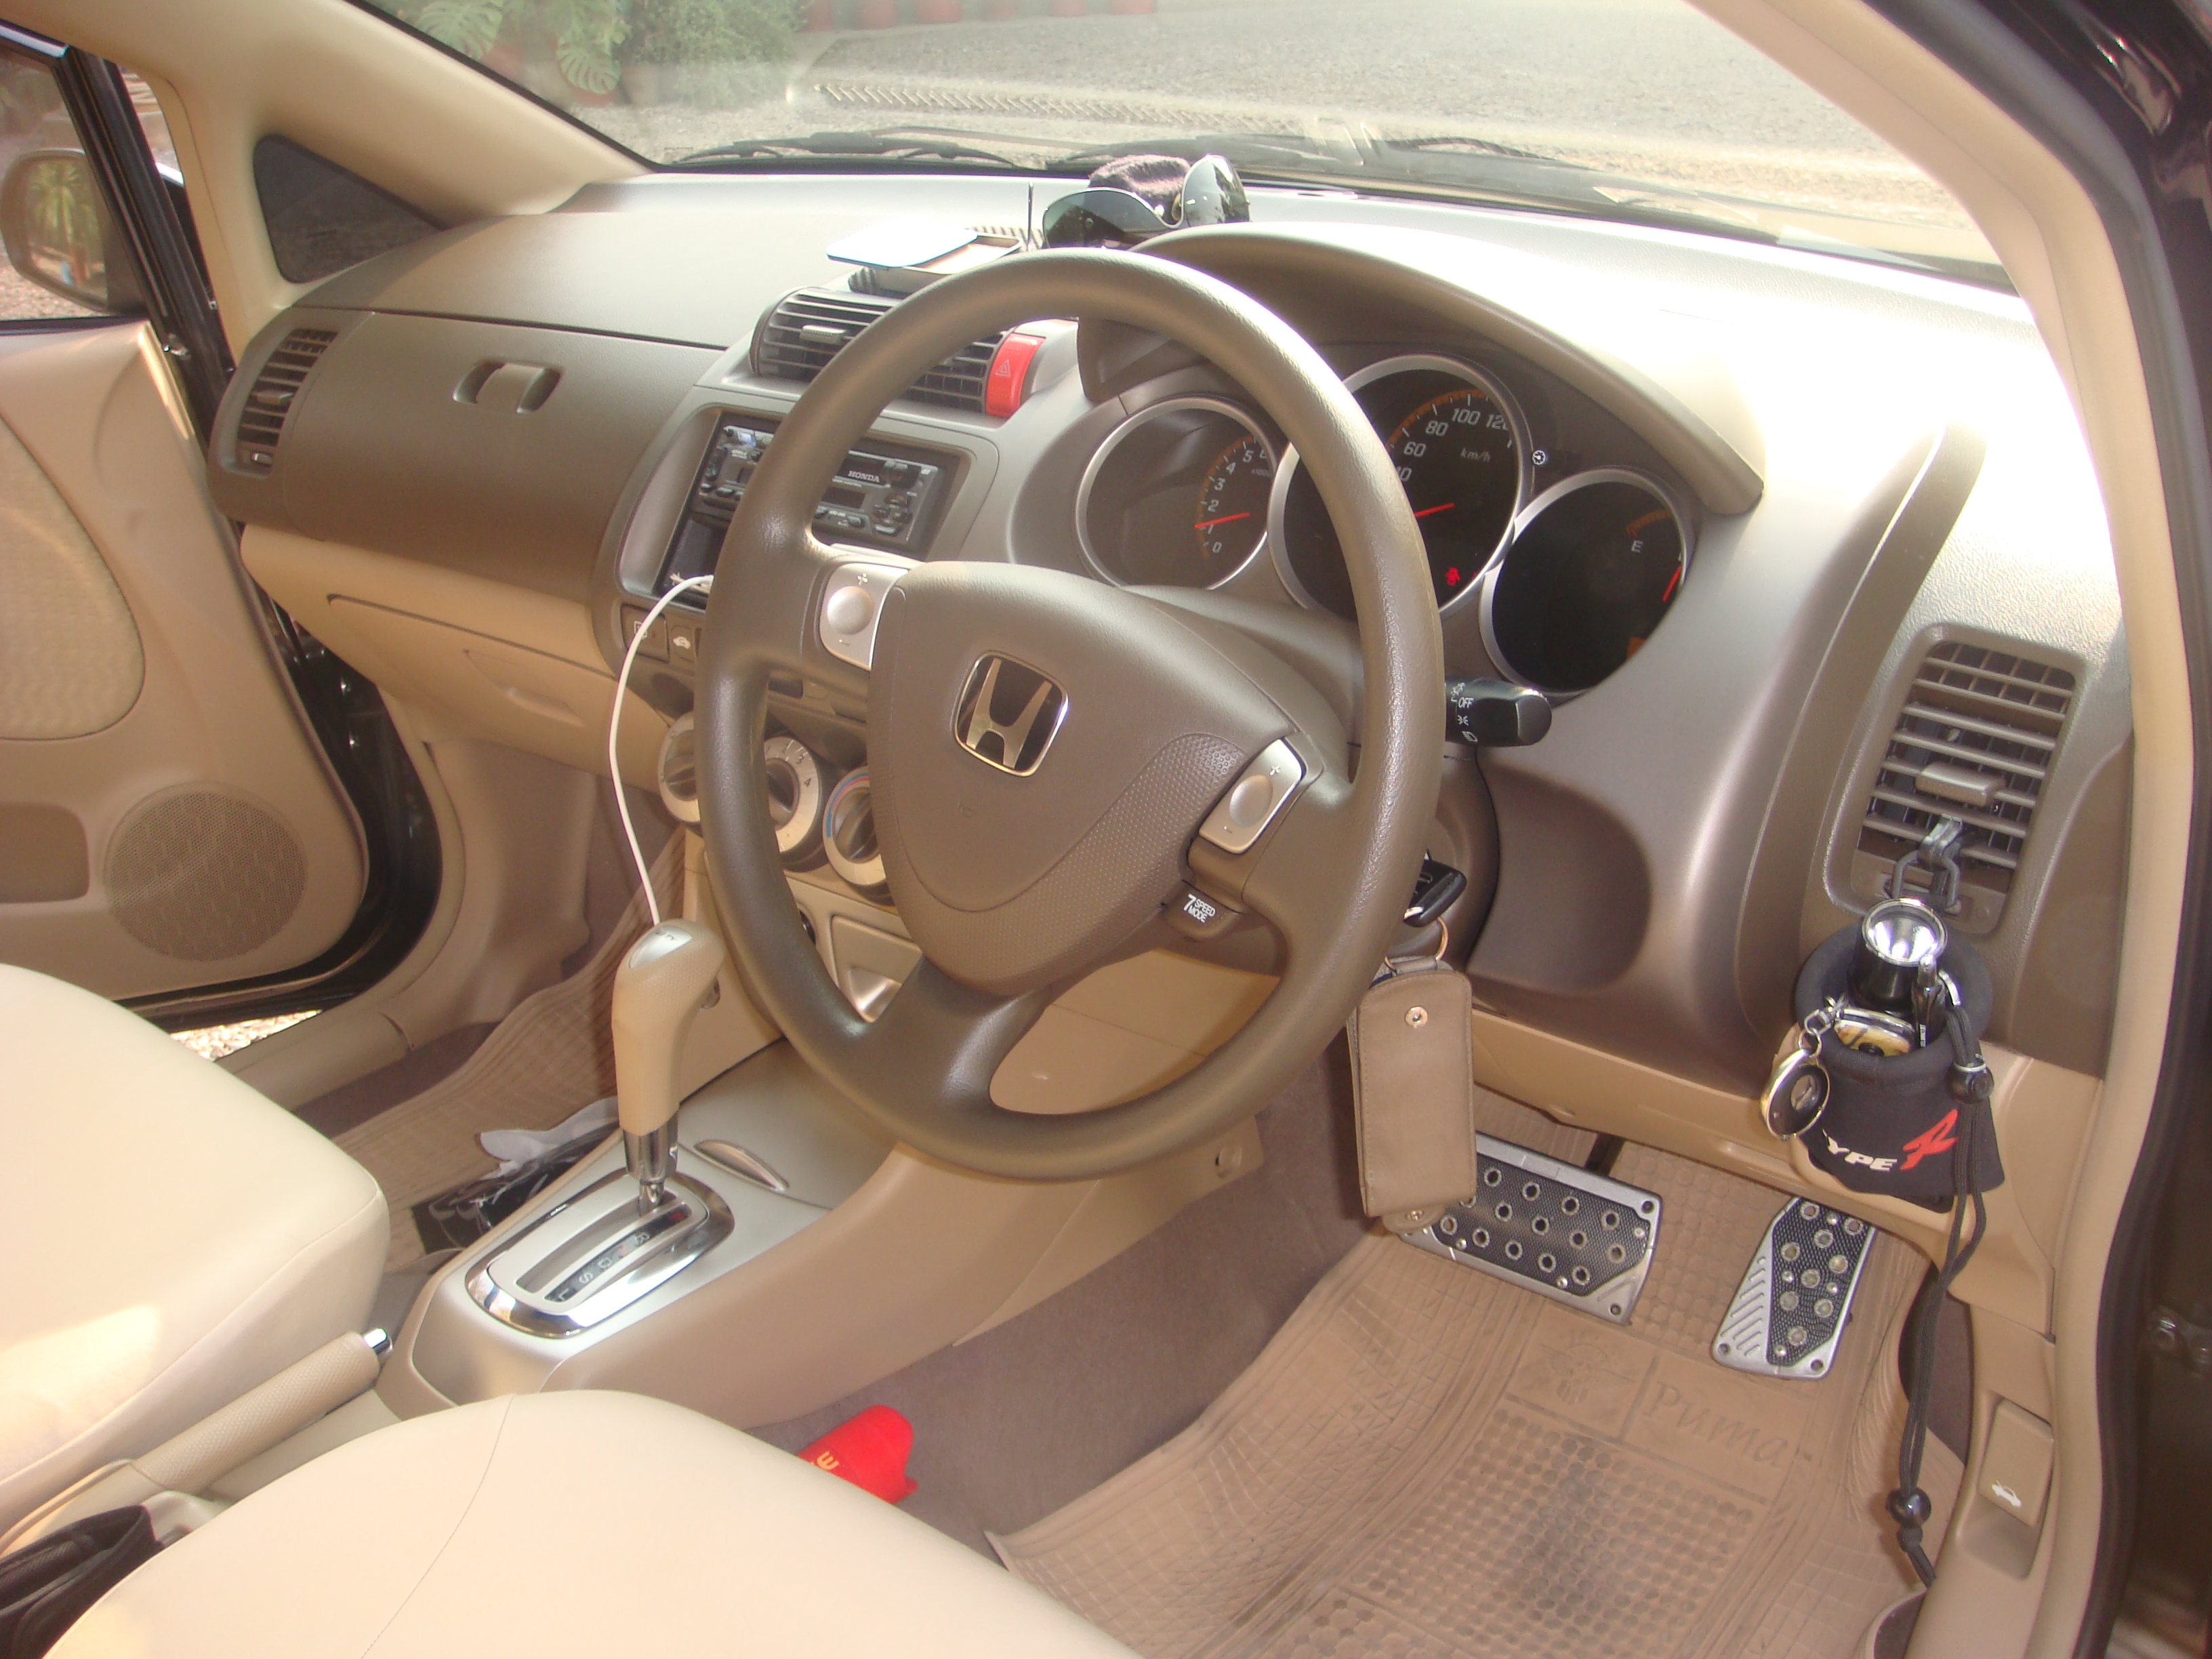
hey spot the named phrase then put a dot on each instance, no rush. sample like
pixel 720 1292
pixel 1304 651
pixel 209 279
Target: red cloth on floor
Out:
pixel 870 1451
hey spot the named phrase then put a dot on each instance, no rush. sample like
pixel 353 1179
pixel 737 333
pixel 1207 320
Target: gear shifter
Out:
pixel 593 1251
pixel 658 991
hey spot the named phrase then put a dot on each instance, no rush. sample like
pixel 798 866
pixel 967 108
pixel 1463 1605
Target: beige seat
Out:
pixel 559 1524
pixel 171 1237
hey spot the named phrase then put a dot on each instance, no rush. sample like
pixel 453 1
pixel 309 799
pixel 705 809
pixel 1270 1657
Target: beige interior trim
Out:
pixel 2042 1111
pixel 95 412
pixel 2053 245
pixel 731 1028
pixel 472 657
pixel 921 1256
pixel 514 832
pixel 427 127
pixel 509 777
pixel 1120 1210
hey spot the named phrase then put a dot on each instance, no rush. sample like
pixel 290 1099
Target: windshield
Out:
pixel 1643 110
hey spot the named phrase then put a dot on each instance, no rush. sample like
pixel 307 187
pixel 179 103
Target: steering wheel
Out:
pixel 1050 757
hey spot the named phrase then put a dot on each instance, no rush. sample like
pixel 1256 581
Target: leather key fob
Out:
pixel 1412 1090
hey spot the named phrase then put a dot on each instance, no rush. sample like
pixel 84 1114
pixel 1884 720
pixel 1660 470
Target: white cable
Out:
pixel 614 733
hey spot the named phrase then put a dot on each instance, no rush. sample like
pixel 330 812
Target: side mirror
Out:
pixel 55 225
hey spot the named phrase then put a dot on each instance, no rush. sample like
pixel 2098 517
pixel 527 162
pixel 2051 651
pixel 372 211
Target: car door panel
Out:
pixel 140 698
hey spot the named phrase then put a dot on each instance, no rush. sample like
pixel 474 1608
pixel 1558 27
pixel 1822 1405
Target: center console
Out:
pixel 889 495
pixel 758 1155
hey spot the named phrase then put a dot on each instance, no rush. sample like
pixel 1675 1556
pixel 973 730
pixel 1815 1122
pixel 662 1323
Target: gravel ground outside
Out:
pixel 214 1042
pixel 1650 89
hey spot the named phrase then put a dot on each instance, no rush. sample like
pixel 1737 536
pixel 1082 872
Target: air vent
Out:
pixel 1974 740
pixel 269 405
pixel 807 329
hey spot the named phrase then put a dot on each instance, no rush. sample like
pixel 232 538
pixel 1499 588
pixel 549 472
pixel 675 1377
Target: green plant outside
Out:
pixel 710 31
pixel 66 218
pixel 592 41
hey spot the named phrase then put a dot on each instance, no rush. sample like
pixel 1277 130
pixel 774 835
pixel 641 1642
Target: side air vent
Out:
pixel 269 404
pixel 805 330
pixel 1974 739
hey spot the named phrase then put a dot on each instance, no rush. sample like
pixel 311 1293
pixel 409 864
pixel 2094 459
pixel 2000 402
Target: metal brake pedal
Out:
pixel 1797 1294
pixel 1556 1229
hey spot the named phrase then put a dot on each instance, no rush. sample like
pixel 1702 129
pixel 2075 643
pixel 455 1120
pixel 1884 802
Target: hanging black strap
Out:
pixel 45 1585
pixel 1970 1086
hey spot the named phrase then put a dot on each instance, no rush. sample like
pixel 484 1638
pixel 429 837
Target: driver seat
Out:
pixel 569 1524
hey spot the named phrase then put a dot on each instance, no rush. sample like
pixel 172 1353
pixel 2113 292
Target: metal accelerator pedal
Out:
pixel 1797 1294
pixel 1556 1229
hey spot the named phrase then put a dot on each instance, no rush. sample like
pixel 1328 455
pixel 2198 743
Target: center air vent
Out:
pixel 1974 740
pixel 269 404
pixel 807 329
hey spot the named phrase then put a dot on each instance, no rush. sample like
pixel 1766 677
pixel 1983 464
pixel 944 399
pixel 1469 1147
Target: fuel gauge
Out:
pixel 1594 565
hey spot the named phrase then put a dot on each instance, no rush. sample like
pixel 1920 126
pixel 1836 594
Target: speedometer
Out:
pixel 1457 456
pixel 1457 441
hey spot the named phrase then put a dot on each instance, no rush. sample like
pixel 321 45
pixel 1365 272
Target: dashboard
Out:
pixel 1773 533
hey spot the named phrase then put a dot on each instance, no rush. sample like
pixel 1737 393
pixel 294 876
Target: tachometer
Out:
pixel 1232 507
pixel 1177 494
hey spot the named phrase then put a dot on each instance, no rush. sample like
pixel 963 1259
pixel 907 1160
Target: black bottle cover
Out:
pixel 1893 1124
pixel 45 1585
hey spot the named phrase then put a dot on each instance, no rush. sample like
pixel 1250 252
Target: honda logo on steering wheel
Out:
pixel 1009 714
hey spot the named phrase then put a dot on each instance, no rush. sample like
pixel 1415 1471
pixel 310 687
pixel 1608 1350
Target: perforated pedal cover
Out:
pixel 1556 1229
pixel 1797 1294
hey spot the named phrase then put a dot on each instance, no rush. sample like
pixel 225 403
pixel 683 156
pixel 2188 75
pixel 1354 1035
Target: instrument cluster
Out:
pixel 1570 578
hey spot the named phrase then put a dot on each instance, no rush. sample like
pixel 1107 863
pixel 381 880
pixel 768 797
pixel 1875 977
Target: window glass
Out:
pixel 1644 110
pixel 65 258
pixel 322 218
pixel 153 123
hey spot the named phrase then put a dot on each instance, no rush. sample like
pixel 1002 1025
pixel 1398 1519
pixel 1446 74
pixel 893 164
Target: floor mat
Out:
pixel 1011 1424
pixel 553 1053
pixel 1427 1460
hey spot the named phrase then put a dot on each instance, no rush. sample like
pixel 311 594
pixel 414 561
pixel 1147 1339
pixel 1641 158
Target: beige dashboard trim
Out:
pixel 472 657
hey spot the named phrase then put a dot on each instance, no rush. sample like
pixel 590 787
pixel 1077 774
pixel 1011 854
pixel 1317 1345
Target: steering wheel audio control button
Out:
pixel 850 609
pixel 1197 915
pixel 851 605
pixel 1242 815
pixel 1250 802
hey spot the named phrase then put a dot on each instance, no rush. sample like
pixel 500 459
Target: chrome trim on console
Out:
pixel 597 1253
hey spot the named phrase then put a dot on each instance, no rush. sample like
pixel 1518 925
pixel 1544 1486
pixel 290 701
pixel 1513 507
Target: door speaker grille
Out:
pixel 202 876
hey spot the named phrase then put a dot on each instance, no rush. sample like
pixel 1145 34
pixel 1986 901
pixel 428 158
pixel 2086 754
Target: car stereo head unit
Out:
pixel 887 495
